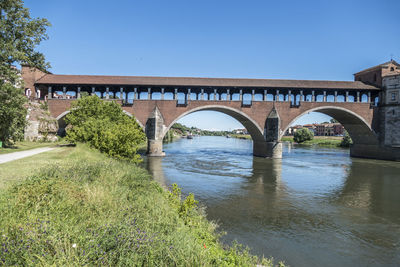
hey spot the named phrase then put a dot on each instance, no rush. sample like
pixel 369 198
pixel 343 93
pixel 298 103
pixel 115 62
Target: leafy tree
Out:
pixel 20 35
pixel 303 135
pixel 104 126
pixel 346 141
pixel 333 120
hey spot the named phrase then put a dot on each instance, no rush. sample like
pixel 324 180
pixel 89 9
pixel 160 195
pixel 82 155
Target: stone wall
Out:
pixel 390 112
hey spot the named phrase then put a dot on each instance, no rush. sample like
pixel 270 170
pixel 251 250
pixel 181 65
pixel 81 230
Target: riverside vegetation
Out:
pixel 92 208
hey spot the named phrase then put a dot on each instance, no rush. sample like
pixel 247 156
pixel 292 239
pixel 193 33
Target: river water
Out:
pixel 315 207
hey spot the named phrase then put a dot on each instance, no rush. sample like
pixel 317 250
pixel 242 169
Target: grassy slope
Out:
pixel 85 208
pixel 25 145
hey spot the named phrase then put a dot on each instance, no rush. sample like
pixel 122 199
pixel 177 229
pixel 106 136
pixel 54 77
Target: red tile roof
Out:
pixel 199 82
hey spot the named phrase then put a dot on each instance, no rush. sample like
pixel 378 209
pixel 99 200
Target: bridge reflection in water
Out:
pixel 315 206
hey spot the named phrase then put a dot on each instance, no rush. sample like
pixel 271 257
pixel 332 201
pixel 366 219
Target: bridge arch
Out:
pixel 358 128
pixel 255 131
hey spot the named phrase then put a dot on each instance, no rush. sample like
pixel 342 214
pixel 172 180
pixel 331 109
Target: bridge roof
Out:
pixel 54 79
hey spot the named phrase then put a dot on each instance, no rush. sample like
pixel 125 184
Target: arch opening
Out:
pixel 249 124
pixel 358 129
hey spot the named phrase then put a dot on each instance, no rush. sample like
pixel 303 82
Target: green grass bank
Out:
pixel 78 207
pixel 328 141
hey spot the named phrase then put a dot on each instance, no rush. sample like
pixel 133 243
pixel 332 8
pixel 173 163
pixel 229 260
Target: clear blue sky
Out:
pixel 325 40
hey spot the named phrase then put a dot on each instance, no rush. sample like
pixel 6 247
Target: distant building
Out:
pixel 240 131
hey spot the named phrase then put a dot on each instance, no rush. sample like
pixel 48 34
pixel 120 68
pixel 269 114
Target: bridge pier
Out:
pixel 154 133
pixel 264 149
pixel 271 147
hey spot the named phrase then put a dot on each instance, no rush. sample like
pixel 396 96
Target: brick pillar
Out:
pixel 202 94
pixel 358 96
pixel 228 95
pixel 175 93
pixel 162 93
pixel 93 90
pixel 313 96
pixel 265 96
pixel 369 97
pixel 277 96
pixel 252 95
pixel 78 94
pixel 64 92
pixel 188 94
pixel 335 98
pixel 149 93
pixel 135 93
pixel 240 95
pixel 290 96
pixel 325 98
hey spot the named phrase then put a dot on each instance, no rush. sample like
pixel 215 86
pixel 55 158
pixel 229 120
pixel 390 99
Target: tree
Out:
pixel 20 35
pixel 104 126
pixel 303 135
pixel 333 120
pixel 346 140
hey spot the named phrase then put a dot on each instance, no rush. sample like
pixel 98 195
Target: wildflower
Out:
pixel 74 245
pixel 204 245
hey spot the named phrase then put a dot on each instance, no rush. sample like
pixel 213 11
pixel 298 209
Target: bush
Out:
pixel 303 135
pixel 346 141
pixel 104 126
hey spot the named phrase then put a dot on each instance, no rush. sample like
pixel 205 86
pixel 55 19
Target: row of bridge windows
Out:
pixel 246 97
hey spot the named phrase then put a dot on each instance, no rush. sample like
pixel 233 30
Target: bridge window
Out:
pixel 193 96
pixel 391 69
pixel 168 96
pixel 235 97
pixel 156 96
pixel 364 98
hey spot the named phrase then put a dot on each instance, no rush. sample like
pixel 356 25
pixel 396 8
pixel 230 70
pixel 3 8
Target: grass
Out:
pixel 26 145
pixel 17 170
pixel 329 141
pixel 83 208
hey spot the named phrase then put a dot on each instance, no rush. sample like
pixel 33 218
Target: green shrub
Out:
pixel 346 141
pixel 104 126
pixel 303 135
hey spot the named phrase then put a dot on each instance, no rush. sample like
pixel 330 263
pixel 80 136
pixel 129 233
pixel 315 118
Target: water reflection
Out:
pixel 314 207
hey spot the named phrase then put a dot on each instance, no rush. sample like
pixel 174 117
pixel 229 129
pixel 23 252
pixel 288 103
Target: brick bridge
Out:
pixel 266 108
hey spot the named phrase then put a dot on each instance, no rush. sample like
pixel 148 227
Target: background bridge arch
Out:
pixel 359 128
pixel 251 125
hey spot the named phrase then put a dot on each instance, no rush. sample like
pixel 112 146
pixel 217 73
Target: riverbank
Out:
pixel 328 141
pixel 85 208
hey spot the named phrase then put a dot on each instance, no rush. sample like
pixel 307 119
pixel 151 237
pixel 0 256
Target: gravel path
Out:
pixel 22 154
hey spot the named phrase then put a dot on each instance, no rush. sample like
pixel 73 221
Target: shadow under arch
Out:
pixel 359 130
pixel 251 126
pixel 62 124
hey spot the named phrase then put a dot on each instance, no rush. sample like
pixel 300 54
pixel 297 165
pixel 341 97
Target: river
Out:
pixel 315 207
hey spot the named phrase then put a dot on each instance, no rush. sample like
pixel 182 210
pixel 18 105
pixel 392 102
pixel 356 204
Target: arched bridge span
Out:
pixel 265 121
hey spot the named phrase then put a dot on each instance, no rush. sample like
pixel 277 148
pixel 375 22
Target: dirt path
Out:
pixel 23 154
